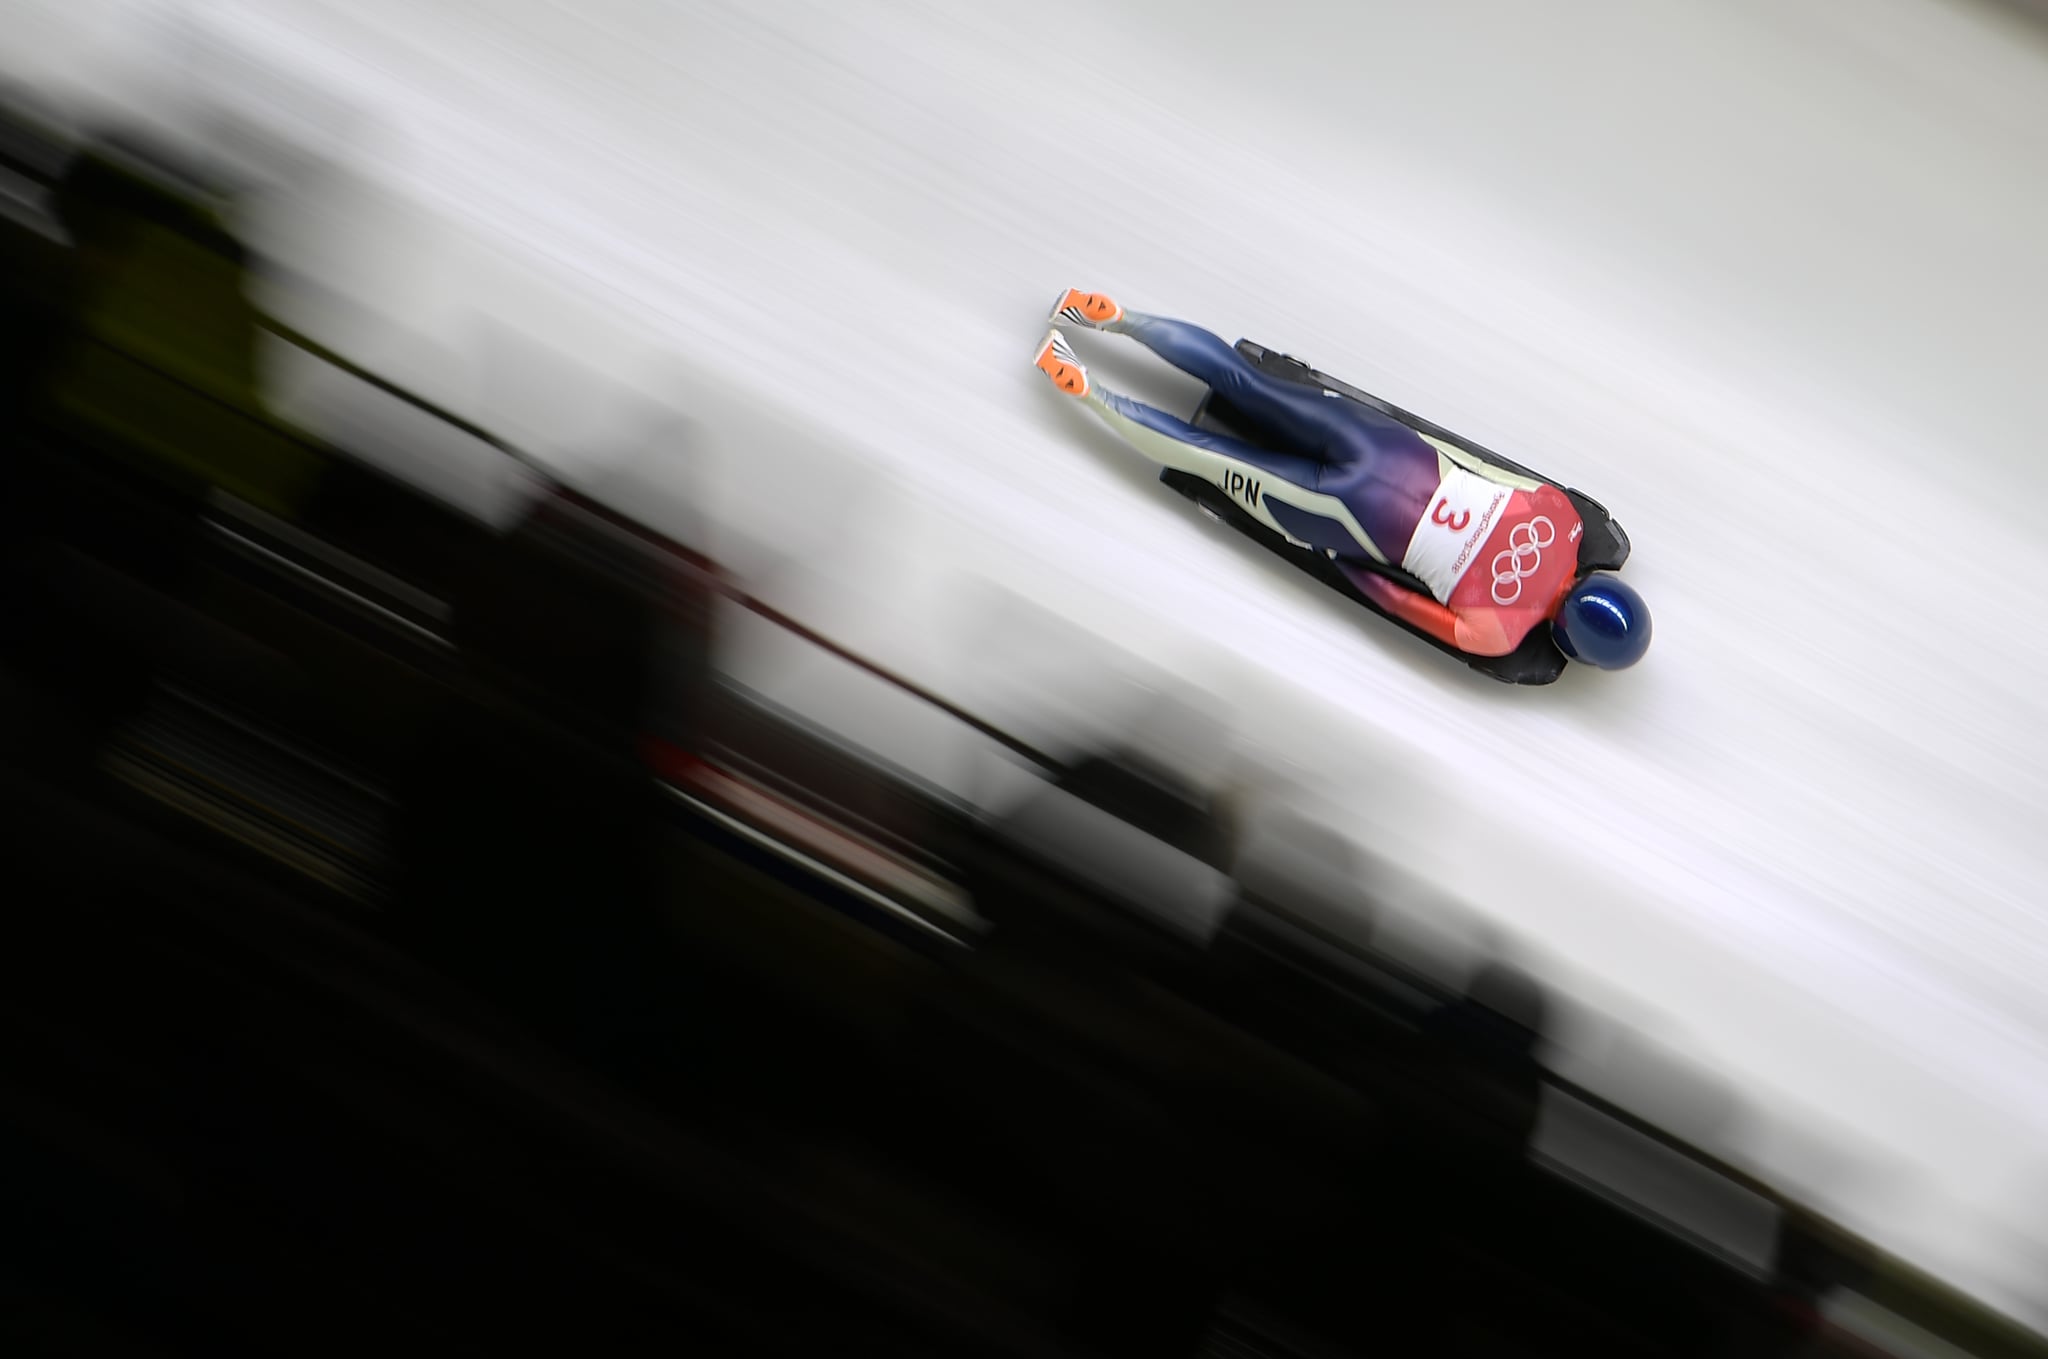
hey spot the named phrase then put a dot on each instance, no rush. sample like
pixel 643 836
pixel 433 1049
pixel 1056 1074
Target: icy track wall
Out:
pixel 1763 278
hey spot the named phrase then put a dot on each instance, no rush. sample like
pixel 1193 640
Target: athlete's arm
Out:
pixel 1477 632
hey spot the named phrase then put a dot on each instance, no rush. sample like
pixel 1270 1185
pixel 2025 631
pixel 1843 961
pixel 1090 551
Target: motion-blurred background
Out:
pixel 553 500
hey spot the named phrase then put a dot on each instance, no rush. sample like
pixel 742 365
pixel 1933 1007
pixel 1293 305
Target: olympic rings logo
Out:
pixel 1522 557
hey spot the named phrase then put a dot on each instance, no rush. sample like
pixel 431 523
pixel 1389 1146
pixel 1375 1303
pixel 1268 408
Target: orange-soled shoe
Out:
pixel 1094 310
pixel 1056 359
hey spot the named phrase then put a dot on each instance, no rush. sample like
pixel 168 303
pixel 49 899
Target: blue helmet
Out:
pixel 1603 622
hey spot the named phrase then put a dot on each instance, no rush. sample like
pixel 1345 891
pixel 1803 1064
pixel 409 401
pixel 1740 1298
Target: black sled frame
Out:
pixel 1603 546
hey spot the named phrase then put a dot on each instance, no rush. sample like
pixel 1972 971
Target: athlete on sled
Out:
pixel 1495 551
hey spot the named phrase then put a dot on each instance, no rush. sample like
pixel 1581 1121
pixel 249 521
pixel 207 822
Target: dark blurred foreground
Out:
pixel 413 943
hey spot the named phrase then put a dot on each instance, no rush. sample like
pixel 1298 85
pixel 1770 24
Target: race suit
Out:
pixel 1497 552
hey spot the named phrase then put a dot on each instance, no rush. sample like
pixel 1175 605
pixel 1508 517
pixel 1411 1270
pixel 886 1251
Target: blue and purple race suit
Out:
pixel 1498 552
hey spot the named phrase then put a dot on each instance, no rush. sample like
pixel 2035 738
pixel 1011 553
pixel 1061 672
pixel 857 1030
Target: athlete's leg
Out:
pixel 1166 439
pixel 1300 419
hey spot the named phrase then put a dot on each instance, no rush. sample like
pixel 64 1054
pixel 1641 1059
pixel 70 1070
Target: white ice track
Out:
pixel 1765 276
